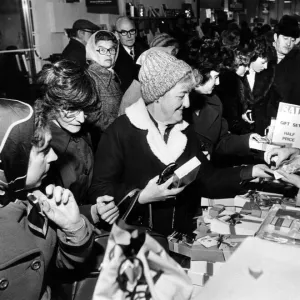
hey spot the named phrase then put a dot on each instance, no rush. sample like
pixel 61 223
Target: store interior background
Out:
pixel 49 18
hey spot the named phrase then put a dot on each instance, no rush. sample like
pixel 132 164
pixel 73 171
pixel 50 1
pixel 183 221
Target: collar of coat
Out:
pixel 262 85
pixel 104 75
pixel 168 152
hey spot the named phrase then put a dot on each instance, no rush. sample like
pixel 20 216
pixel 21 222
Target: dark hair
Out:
pixel 105 36
pixel 211 56
pixel 65 85
pixel 242 58
pixel 41 123
pixel 260 48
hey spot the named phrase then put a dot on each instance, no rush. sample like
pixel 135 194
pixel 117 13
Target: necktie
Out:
pixel 131 53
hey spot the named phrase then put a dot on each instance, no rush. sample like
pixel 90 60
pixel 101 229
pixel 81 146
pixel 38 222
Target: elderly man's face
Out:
pixel 283 44
pixel 127 38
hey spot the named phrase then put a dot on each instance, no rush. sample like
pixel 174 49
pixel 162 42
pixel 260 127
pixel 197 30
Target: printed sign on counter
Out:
pixel 287 128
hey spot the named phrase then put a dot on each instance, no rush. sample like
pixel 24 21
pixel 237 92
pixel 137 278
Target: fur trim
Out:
pixel 262 85
pixel 138 115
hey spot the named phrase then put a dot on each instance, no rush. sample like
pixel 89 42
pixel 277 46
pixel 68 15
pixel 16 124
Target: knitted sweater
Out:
pixel 109 95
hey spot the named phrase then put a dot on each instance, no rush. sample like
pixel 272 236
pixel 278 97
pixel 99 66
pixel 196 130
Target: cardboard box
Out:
pixel 198 278
pixel 198 252
pixel 206 267
pixel 249 225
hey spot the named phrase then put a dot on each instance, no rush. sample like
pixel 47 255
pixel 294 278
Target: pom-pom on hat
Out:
pixel 159 73
pixel 288 26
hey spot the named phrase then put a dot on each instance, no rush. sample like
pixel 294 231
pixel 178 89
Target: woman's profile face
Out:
pixel 106 51
pixel 71 121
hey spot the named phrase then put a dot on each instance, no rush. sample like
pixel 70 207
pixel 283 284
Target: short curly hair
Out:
pixel 242 58
pixel 65 85
pixel 211 56
pixel 260 48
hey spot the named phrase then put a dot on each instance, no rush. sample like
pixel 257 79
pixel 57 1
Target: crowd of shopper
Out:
pixel 111 116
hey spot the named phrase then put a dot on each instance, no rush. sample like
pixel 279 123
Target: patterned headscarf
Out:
pixel 16 132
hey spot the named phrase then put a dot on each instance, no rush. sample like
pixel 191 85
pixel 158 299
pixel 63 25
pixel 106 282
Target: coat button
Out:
pixel 3 283
pixel 36 264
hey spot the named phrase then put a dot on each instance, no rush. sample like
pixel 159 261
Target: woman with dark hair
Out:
pixel 206 110
pixel 102 52
pixel 259 90
pixel 36 230
pixel 231 92
pixel 68 97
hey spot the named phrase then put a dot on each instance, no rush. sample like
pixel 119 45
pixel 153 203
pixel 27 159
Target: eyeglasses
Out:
pixel 125 32
pixel 71 114
pixel 105 51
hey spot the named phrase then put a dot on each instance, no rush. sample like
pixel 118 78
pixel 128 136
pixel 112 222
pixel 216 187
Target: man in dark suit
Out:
pixel 79 35
pixel 129 52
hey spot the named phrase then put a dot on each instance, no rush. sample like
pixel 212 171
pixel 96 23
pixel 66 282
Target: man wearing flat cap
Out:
pixel 79 34
pixel 287 71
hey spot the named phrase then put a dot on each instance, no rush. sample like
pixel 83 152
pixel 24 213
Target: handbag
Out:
pixel 136 266
pixel 81 284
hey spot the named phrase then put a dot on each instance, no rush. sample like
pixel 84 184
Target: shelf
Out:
pixel 153 18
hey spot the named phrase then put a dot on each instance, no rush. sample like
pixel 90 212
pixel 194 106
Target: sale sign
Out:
pixel 287 127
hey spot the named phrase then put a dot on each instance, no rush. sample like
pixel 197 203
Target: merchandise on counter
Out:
pixel 236 224
pixel 216 210
pixel 208 248
pixel 198 278
pixel 206 267
pixel 282 225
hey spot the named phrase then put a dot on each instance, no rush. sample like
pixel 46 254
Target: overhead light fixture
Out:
pixel 287 1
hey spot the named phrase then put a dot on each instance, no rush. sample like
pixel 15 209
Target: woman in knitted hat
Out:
pixel 162 42
pixel 139 145
pixel 102 52
pixel 35 229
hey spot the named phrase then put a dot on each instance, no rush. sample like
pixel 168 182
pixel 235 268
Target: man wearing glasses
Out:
pixel 79 35
pixel 129 52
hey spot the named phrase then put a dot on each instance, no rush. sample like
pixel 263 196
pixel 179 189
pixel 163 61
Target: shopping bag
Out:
pixel 135 266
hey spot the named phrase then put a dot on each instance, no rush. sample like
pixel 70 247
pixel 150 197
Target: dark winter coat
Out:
pixel 212 128
pixel 132 151
pixel 231 91
pixel 287 78
pixel 125 66
pixel 75 51
pixel 260 100
pixel 73 168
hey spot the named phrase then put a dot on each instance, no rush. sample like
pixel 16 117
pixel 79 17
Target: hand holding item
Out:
pixel 290 178
pixel 278 155
pixel 158 192
pixel 247 116
pixel 262 171
pixel 60 207
pixel 106 209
